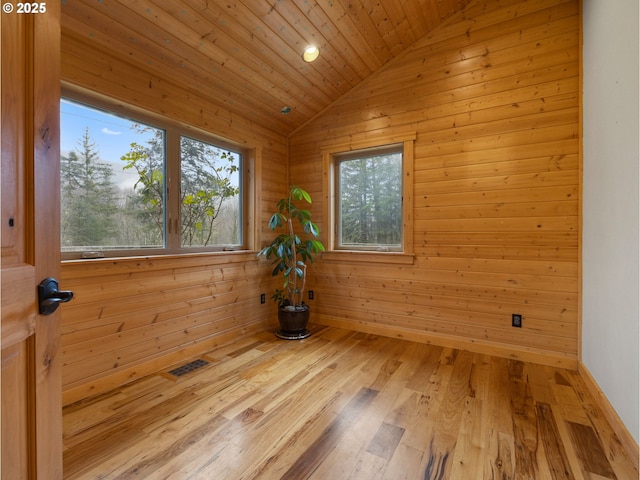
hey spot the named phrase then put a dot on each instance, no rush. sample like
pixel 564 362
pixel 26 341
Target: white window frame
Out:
pixel 173 131
pixel 330 158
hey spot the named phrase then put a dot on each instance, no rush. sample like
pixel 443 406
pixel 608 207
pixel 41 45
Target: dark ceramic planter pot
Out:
pixel 293 323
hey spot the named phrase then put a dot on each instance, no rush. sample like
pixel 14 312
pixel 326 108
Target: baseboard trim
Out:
pixel 96 386
pixel 626 439
pixel 541 357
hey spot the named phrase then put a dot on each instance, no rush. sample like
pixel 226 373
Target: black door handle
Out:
pixel 49 297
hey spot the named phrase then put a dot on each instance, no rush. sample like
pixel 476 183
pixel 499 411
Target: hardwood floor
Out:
pixel 345 405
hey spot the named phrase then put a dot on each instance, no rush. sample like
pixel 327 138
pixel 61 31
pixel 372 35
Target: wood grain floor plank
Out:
pixel 610 443
pixel 447 426
pixel 150 462
pixel 523 415
pixel 552 444
pixel 589 448
pixel 385 441
pixel 429 357
pixel 405 464
pixel 345 405
pixel 366 466
pixel 342 377
pixel 500 455
pixel 313 456
pixel 315 412
pixel 468 454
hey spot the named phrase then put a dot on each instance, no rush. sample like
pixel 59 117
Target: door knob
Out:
pixel 49 297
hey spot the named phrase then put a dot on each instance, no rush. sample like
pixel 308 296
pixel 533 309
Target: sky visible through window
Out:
pixel 111 134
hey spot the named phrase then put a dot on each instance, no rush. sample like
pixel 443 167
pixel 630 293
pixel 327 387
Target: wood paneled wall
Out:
pixel 494 99
pixel 131 317
pixel 134 316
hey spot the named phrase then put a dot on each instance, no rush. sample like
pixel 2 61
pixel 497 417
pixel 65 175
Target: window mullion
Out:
pixel 173 224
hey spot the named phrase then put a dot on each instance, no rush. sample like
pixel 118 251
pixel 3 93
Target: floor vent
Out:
pixel 189 367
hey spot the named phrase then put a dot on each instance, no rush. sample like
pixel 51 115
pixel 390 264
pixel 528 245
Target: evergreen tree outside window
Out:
pixel 89 197
pixel 367 185
pixel 106 203
pixel 369 197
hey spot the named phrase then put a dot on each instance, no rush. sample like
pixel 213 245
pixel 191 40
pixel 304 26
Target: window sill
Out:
pixel 242 255
pixel 354 256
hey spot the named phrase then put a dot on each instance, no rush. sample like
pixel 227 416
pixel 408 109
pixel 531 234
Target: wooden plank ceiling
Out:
pixel 247 54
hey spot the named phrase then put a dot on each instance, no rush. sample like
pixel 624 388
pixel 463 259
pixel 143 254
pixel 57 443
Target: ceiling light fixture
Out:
pixel 311 53
pixel 285 110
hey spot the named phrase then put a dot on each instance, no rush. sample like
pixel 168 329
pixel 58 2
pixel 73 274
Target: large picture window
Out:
pixel 116 200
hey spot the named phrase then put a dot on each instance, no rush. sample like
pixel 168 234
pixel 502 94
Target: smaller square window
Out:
pixel 368 187
pixel 369 199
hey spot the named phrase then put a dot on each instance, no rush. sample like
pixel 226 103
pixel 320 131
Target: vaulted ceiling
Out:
pixel 248 53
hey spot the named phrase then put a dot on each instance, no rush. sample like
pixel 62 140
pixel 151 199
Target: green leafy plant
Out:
pixel 289 252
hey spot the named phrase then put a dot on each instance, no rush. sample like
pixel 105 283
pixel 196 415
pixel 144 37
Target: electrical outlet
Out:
pixel 516 320
pixel 310 294
pixel 263 298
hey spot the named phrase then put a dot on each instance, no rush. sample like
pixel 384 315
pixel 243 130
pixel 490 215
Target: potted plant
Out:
pixel 289 254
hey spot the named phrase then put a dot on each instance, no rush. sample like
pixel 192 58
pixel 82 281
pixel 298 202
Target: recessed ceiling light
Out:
pixel 285 110
pixel 311 53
